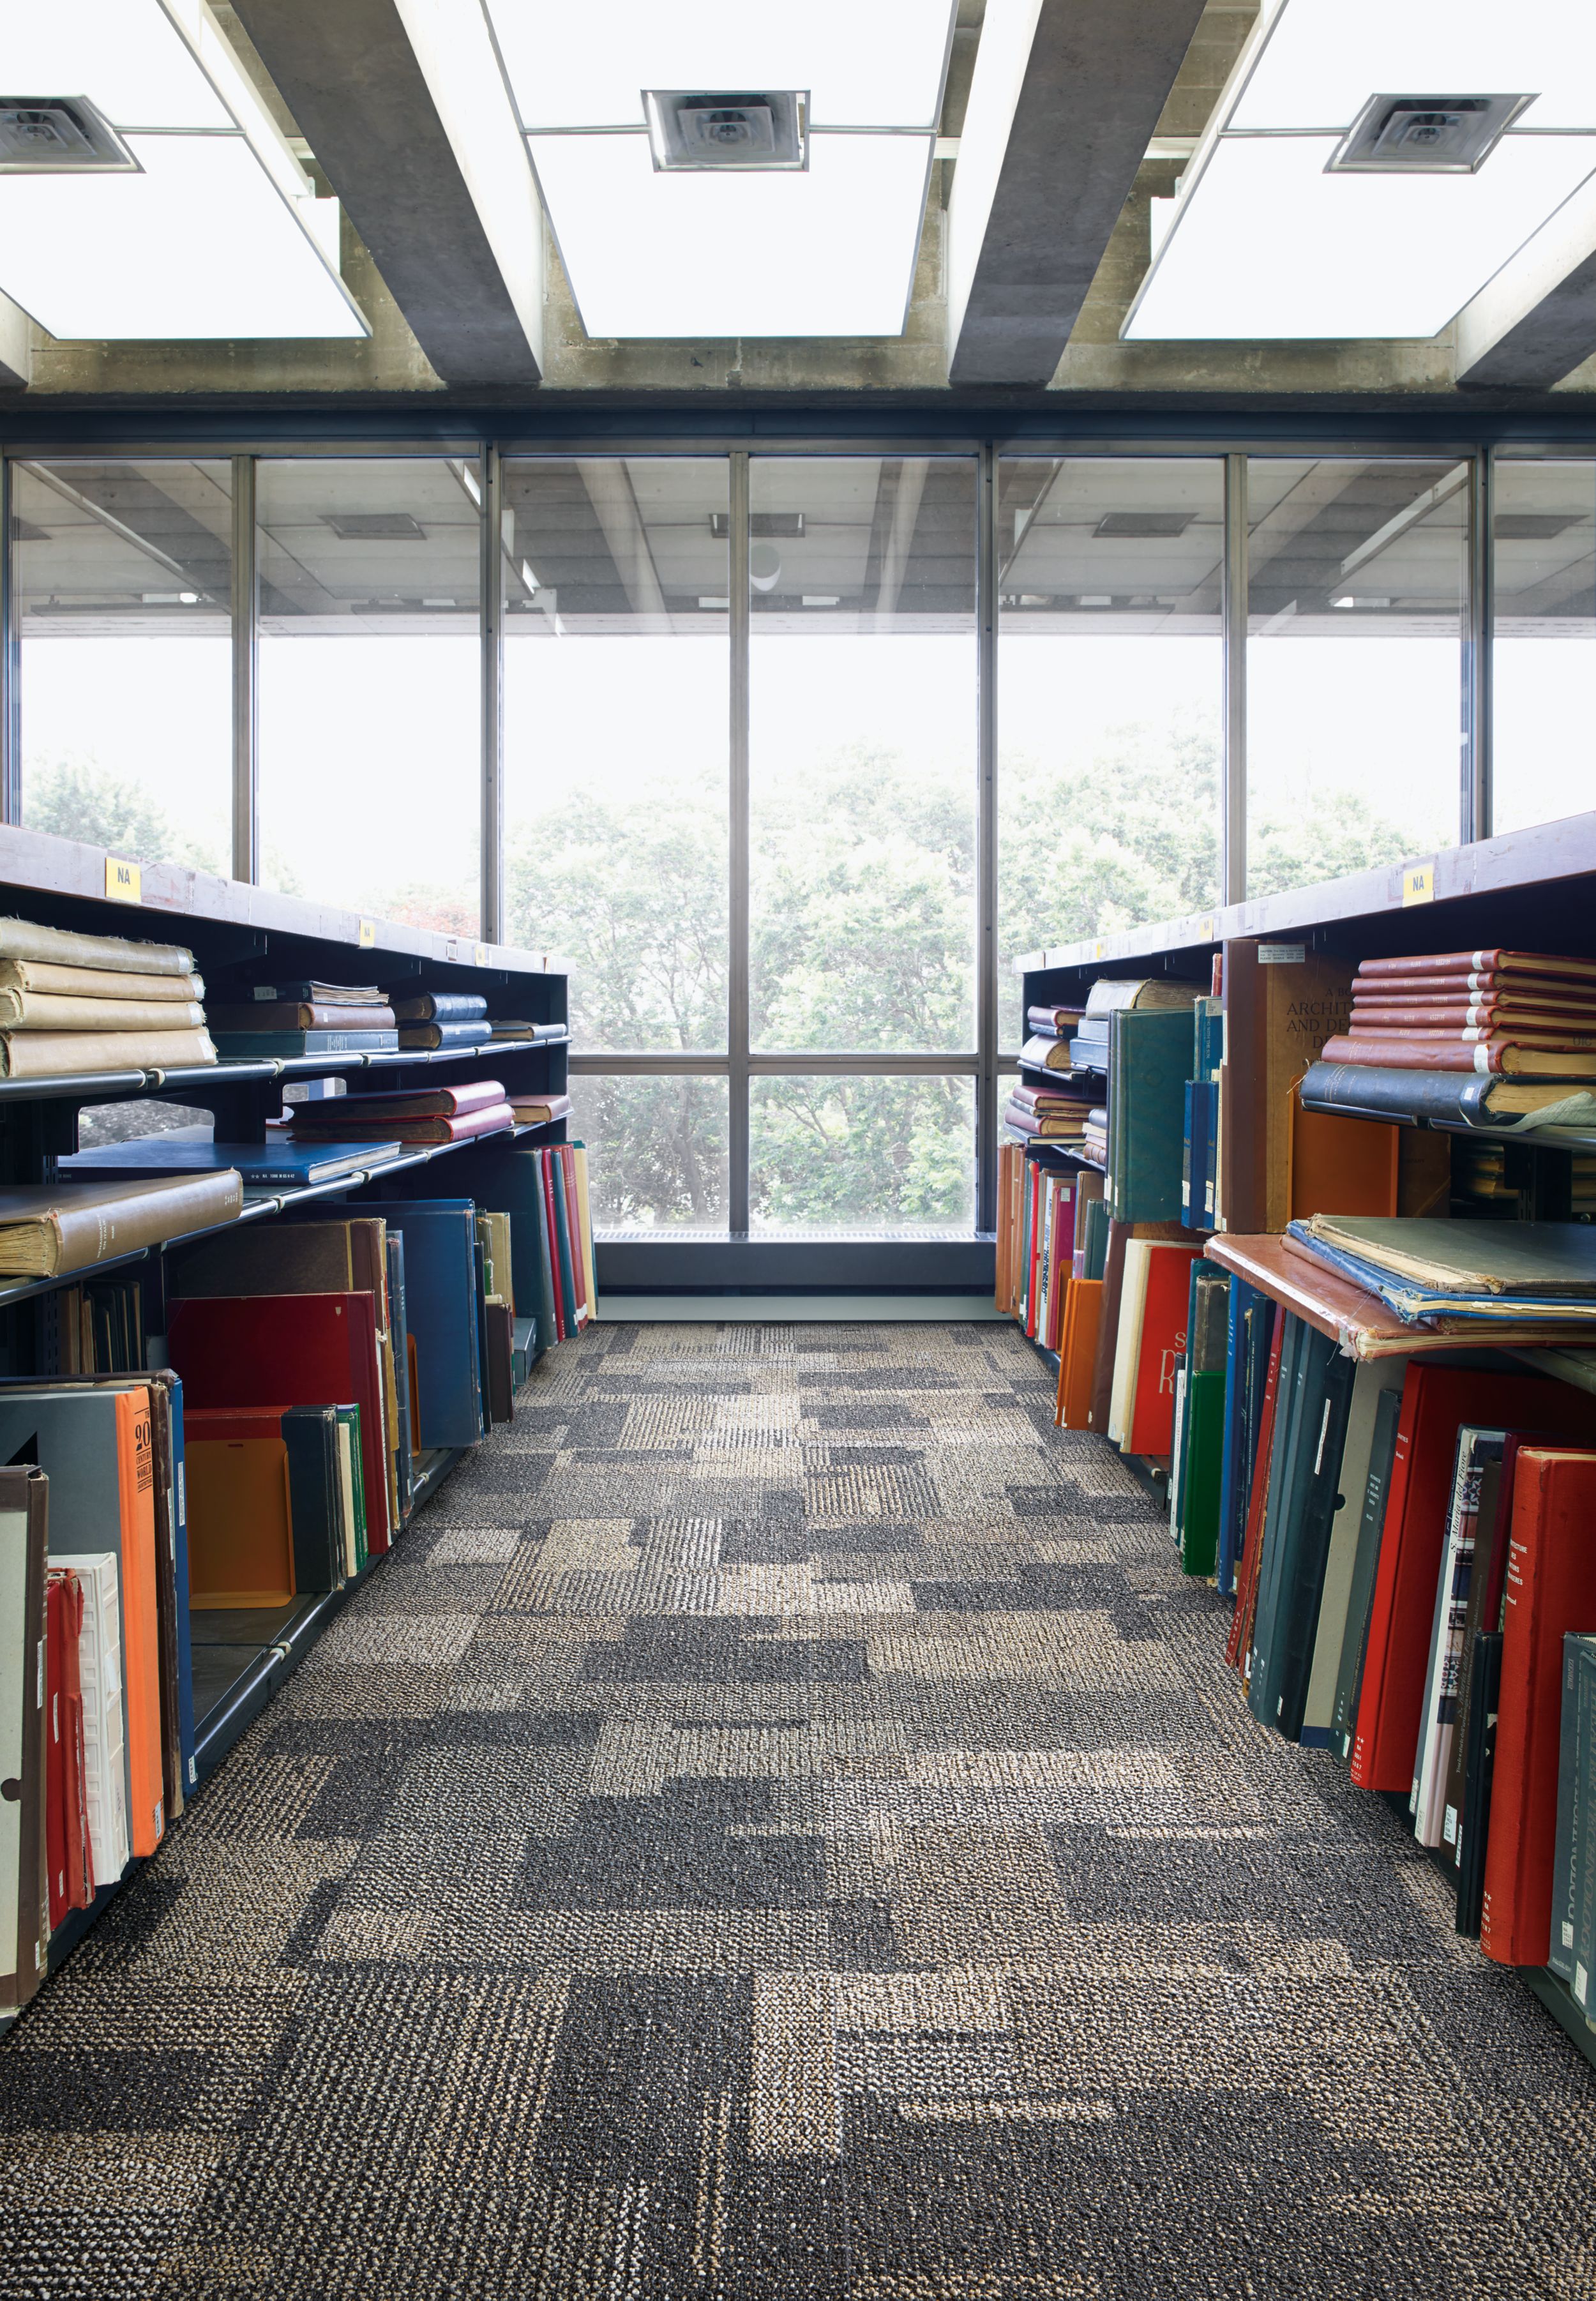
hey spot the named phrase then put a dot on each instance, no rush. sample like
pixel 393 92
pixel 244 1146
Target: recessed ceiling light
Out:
pixel 687 130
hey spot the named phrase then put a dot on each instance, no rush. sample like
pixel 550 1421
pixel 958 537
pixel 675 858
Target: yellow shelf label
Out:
pixel 1418 885
pixel 481 954
pixel 124 881
pixel 368 935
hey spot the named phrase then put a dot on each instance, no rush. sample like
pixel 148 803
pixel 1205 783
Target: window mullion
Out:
pixel 737 970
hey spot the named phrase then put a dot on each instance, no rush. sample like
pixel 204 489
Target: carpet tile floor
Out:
pixel 778 1828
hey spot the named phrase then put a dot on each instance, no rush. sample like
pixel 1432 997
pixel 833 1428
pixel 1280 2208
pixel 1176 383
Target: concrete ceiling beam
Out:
pixel 1065 101
pixel 404 150
pixel 1535 320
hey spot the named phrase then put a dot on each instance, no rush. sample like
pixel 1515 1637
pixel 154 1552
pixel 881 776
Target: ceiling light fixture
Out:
pixel 1440 135
pixel 59 132
pixel 687 130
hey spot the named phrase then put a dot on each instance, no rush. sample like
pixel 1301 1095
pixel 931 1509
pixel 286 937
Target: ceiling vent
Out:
pixel 1144 523
pixel 50 135
pixel 375 527
pixel 1425 134
pixel 689 129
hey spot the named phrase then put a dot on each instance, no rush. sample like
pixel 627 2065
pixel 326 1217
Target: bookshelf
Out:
pixel 1529 889
pixel 63 883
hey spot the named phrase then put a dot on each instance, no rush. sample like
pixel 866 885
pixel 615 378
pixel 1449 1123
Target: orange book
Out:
pixel 1338 1166
pixel 240 1519
pixel 1151 1422
pixel 1078 1352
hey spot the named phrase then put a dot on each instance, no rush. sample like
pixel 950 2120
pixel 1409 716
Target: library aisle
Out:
pixel 779 1825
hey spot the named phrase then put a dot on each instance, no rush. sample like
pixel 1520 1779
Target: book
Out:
pixel 434 1035
pixel 440 1297
pixel 49 1229
pixel 352 1484
pixel 1149 1057
pixel 1550 1590
pixel 1436 1402
pixel 539 1109
pixel 80 982
pixel 1110 995
pixel 1582 1844
pixel 262 1166
pixel 1498 1055
pixel 71 1054
pixel 500 1323
pixel 1048 1126
pixel 1445 1099
pixel 1426 1800
pixel 1474 1828
pixel 291 1046
pixel 534 1033
pixel 1160 1340
pixel 24 939
pixel 1536 964
pixel 1135 1272
pixel 1054 1022
pixel 1047 1055
pixel 1283 1002
pixel 493 1118
pixel 24 1877
pixel 299 1015
pixel 304 991
pixel 100 1685
pixel 1471 1011
pixel 241 1536
pixel 1570 1851
pixel 66 1820
pixel 1240 1638
pixel 1338 1162
pixel 1207 1329
pixel 399 1337
pixel 442 1007
pixel 406 1102
pixel 289 1350
pixel 1077 1353
pixel 323 1543
pixel 1377 1408
pixel 95 1442
pixel 48 1010
pixel 1501 1259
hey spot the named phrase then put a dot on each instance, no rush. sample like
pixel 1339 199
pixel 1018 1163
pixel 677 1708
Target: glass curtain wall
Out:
pixel 370 681
pixel 616 756
pixel 862 792
pixel 124 578
pixel 1110 694
pixel 1357 598
pixel 1543 540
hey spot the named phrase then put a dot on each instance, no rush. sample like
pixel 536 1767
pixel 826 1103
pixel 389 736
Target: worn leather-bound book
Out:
pixel 61 947
pixel 301 1015
pixel 84 982
pixel 69 1054
pixel 47 1229
pixel 1498 1055
pixel 442 1007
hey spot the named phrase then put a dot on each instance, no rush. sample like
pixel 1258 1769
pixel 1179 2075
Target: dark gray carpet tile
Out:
pixel 778 1828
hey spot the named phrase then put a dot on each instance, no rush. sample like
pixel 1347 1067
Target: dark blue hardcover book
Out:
pixel 1089 1054
pixel 1248 1343
pixel 442 1007
pixel 1412 1302
pixel 440 1309
pixel 288 1046
pixel 1443 1098
pixel 433 1035
pixel 264 1166
pixel 1197 1195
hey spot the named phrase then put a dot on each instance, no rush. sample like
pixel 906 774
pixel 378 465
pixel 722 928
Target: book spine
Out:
pixel 1381 1607
pixel 66 1054
pixel 1515 1912
pixel 1584 1791
pixel 1573 1723
pixel 82 1235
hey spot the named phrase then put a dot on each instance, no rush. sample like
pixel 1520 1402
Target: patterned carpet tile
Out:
pixel 779 1829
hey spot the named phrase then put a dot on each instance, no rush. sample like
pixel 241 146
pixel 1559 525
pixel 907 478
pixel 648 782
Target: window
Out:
pixel 1357 588
pixel 657 1151
pixel 617 741
pixel 1110 670
pixel 1545 652
pixel 869 1152
pixel 124 574
pixel 371 685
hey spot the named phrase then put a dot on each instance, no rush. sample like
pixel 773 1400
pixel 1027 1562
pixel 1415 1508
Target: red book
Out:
pixel 1239 1641
pixel 562 1328
pixel 1033 1176
pixel 289 1350
pixel 1511 963
pixel 1163 1339
pixel 66 1798
pixel 420 1102
pixel 566 1155
pixel 1551 1590
pixel 1061 1252
pixel 1497 1056
pixel 492 1119
pixel 1436 1400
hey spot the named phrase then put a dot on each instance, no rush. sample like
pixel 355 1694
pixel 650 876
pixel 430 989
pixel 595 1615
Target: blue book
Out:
pixel 264 1166
pixel 1413 1301
pixel 288 1046
pixel 442 1007
pixel 441 1310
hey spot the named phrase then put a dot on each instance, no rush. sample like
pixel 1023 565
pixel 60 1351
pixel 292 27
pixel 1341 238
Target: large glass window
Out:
pixel 124 574
pixel 656 1149
pixel 862 732
pixel 862 1151
pixel 1357 591
pixel 1110 657
pixel 616 740
pixel 371 685
pixel 1544 657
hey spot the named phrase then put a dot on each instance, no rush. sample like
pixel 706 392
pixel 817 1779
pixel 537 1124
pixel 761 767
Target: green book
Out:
pixel 354 1485
pixel 1300 1379
pixel 1207 1347
pixel 1360 1597
pixel 315 1503
pixel 1148 1058
pixel 1322 1436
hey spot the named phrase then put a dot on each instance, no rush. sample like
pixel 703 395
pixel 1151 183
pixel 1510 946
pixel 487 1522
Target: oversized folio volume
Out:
pixel 441 1308
pixel 24 1894
pixel 1149 1058
pixel 1311 1413
pixel 48 1229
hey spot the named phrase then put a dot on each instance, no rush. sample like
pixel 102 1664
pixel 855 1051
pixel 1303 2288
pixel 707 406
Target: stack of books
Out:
pixel 296 1017
pixel 443 1018
pixel 1530 1282
pixel 1480 1038
pixel 75 1004
pixel 1047 1114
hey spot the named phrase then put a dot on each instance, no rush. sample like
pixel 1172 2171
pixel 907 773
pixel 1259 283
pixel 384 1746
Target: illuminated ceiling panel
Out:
pixel 216 234
pixel 827 249
pixel 1265 242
